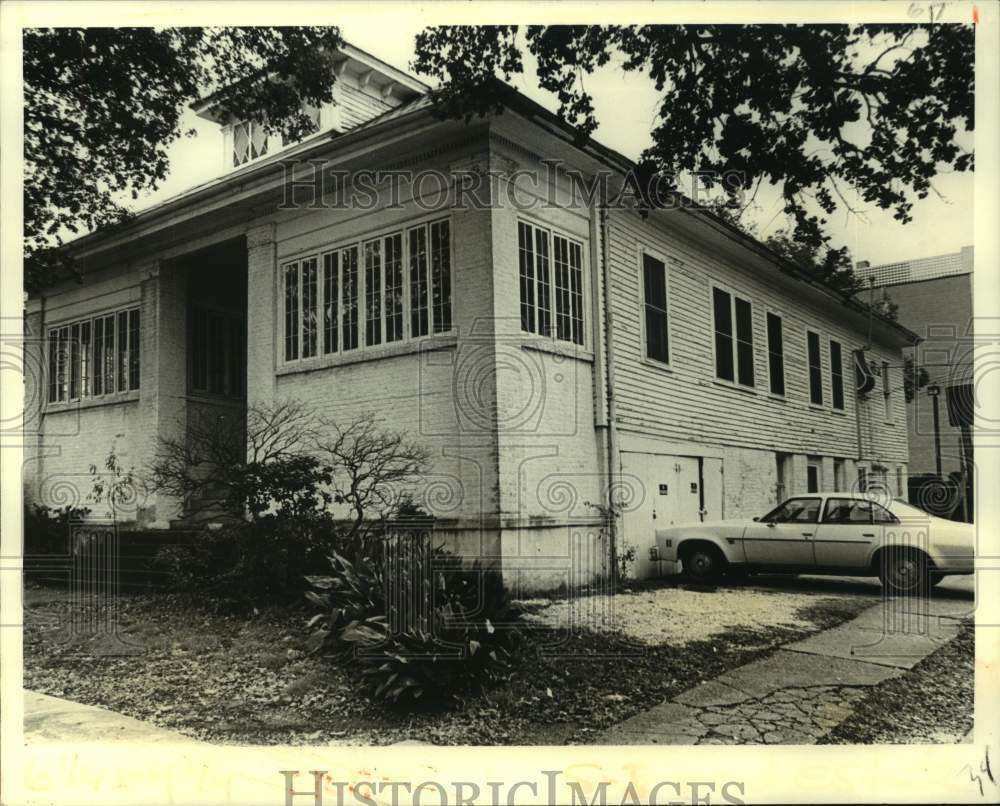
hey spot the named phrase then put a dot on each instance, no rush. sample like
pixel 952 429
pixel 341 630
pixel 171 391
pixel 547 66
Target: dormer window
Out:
pixel 249 142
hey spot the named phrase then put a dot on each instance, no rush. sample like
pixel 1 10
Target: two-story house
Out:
pixel 557 352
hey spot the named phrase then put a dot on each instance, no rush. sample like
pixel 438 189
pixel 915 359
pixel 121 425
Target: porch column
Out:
pixel 262 303
pixel 163 372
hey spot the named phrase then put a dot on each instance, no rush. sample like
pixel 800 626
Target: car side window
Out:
pixel 847 511
pixel 796 510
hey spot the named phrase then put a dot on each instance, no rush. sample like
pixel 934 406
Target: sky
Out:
pixel 625 106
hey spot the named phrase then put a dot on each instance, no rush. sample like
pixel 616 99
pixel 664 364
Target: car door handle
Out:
pixel 807 534
pixel 868 534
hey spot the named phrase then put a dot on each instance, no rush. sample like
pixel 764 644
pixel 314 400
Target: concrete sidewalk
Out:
pixel 51 719
pixel 806 688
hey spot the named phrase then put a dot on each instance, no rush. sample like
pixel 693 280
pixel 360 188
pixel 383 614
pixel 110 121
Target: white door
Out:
pixel 786 537
pixel 675 490
pixel 847 533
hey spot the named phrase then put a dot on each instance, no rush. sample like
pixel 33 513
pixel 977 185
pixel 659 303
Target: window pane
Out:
pixel 373 292
pixel 331 285
pixel 292 312
pixel 560 262
pixel 418 282
pixel 836 375
pixel 133 349
pixel 576 291
pixel 53 365
pixel 310 302
pixel 349 266
pixel 744 342
pixel 815 373
pixel 655 300
pixel 122 365
pixel 544 283
pixel 241 144
pixel 722 316
pixel 394 289
pixel 526 259
pixel 74 372
pixel 775 354
pixel 85 359
pixel 99 356
pixel 441 275
pixel 258 140
pixel 109 354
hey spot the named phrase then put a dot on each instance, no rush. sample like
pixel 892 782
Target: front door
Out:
pixel 785 536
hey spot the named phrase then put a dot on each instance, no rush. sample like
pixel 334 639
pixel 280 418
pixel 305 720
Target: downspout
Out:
pixel 614 460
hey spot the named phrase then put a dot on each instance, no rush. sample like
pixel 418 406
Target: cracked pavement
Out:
pixel 807 687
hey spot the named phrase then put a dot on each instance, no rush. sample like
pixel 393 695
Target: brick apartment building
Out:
pixel 551 357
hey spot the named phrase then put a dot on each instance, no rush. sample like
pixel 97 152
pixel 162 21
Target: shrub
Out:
pixel 417 621
pixel 241 564
pixel 46 530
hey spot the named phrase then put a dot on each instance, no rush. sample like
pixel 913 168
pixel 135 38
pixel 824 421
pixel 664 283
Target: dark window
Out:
pixel 419 314
pixel 775 354
pixel 331 301
pixel 310 302
pixel 292 312
pixel 133 348
pixel 440 238
pixel 373 292
pixel 349 292
pixel 217 353
pixel 815 372
pixel 654 282
pixel 812 478
pixel 394 288
pixel 94 357
pixel 836 375
pixel 847 511
pixel 544 286
pixel 526 262
pixel 722 316
pixel 744 342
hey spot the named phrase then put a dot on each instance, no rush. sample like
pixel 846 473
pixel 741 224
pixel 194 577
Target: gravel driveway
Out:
pixel 676 613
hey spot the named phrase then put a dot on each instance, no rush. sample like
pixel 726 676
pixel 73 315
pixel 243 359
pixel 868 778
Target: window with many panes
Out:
pixel 733 323
pixel 837 374
pixel 379 291
pixel 550 269
pixel 94 357
pixel 217 352
pixel 654 299
pixel 815 370
pixel 775 354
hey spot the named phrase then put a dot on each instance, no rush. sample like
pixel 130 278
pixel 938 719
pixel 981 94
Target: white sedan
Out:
pixel 851 534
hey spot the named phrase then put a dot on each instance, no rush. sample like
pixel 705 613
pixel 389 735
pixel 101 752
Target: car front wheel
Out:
pixel 904 572
pixel 702 565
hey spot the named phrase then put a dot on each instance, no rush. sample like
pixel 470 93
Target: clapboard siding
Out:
pixel 685 402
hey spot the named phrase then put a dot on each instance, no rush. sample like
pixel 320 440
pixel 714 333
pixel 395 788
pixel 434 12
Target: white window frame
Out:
pixel 550 236
pixel 642 252
pixel 115 314
pixel 733 294
pixel 359 244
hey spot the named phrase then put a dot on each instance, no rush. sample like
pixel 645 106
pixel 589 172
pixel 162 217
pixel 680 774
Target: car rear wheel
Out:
pixel 702 564
pixel 904 572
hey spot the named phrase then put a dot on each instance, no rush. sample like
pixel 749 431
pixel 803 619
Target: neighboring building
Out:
pixel 934 299
pixel 553 358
